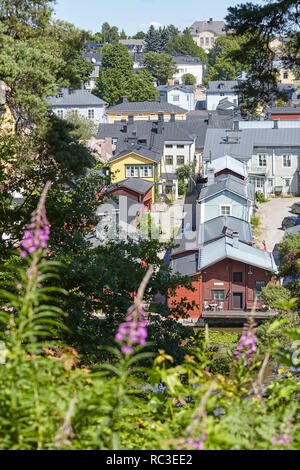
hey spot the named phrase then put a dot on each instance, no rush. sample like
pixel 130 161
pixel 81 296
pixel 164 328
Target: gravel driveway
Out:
pixel 271 214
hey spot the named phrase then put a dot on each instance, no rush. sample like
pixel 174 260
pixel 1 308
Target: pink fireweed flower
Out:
pixel 133 330
pixel 37 232
pixel 247 345
pixel 281 440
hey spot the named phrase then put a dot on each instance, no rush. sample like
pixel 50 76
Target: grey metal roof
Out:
pixel 230 163
pixel 216 27
pixel 94 57
pixel 185 265
pixel 226 104
pixel 184 59
pixel 212 230
pixel 218 86
pixel 283 110
pixel 218 250
pixel 135 184
pixel 73 97
pixel 127 207
pixel 138 149
pixel 146 106
pixel 228 183
pixel 184 88
pixel 240 144
pixel 134 42
pixel 223 248
pixel 147 133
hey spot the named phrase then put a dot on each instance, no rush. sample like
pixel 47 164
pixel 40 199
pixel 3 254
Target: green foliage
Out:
pixel 84 128
pixel 255 221
pixel 161 66
pixel 259 24
pixel 275 294
pixel 157 39
pixel 37 56
pixel 184 44
pixel 221 65
pixel 189 79
pixel 259 197
pixel 116 78
pixel 117 57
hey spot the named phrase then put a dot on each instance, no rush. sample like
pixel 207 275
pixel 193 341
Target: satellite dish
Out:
pixel 93 60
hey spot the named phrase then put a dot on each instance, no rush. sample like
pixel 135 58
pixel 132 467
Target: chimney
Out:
pixel 235 239
pixel 236 125
pixel 275 125
pixel 160 125
pixel 161 117
pixel 124 128
pixel 210 175
pixel 130 119
pixel 125 99
pixel 172 117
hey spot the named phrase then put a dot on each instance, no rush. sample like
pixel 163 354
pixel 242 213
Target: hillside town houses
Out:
pixel 192 147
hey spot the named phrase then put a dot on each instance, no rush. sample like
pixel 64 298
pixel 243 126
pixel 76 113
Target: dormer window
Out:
pixel 60 94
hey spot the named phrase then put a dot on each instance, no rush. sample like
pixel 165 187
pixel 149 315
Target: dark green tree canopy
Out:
pixel 117 57
pixel 157 39
pixel 185 44
pixel 161 66
pixel 259 24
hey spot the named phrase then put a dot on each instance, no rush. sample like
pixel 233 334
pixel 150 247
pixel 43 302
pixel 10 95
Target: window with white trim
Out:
pixel 176 98
pixel 169 159
pixel 286 161
pixel 262 159
pixel 180 159
pixel 60 113
pixel 225 210
pixel 139 171
pixel 218 294
pixel 91 113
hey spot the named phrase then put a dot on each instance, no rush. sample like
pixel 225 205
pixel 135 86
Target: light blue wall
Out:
pixel 239 206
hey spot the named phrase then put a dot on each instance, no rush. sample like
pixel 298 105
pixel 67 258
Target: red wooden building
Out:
pixel 134 188
pixel 227 275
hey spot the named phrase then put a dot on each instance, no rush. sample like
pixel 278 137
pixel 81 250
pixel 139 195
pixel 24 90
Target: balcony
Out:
pixel 258 170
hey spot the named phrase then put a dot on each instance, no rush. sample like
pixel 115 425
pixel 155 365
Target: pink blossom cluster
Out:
pixel 196 444
pixel 34 240
pixel 247 345
pixel 133 330
pixel 281 440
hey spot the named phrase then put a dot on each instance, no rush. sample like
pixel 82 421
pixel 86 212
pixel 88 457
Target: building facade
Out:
pixel 205 33
pixel 80 101
pixel 218 91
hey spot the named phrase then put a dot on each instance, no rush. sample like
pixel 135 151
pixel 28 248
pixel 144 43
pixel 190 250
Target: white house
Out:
pixel 182 96
pixel 95 58
pixel 271 150
pixel 188 64
pixel 82 101
pixel 219 90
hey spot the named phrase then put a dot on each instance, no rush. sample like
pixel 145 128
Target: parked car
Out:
pixel 290 222
pixel 296 208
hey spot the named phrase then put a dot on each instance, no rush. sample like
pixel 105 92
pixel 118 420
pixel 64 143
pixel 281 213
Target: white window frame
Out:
pixel 60 113
pixel 91 113
pixel 169 156
pixel 176 98
pixel 180 156
pixel 264 158
pixel 289 158
pixel 225 205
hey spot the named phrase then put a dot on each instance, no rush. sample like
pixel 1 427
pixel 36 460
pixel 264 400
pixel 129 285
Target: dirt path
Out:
pixel 271 214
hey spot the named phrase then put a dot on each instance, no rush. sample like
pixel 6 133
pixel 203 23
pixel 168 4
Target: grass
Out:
pixel 255 222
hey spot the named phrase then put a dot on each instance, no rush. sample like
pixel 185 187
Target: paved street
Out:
pixel 271 214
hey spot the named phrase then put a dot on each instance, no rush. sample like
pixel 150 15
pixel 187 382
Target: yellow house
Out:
pixel 140 163
pixel 144 111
